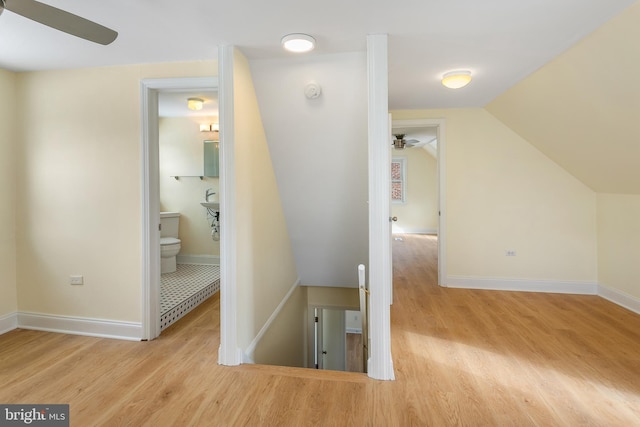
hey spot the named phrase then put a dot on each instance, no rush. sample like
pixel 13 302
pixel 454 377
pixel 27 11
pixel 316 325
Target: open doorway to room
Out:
pixel 151 200
pixel 417 185
pixel 188 139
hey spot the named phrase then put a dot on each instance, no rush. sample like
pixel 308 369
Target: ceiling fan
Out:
pixel 399 143
pixel 60 20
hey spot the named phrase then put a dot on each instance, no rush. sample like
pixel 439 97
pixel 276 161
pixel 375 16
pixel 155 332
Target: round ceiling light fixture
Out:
pixel 456 79
pixel 195 104
pixel 298 42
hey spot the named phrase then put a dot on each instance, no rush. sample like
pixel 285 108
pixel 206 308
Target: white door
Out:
pixel 334 340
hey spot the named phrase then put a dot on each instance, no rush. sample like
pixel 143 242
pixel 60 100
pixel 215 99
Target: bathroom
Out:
pixel 188 176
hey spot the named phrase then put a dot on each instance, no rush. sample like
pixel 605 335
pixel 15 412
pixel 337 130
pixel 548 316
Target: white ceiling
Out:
pixel 174 104
pixel 500 41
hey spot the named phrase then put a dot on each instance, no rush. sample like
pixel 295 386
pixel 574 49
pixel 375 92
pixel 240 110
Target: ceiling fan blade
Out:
pixel 61 20
pixel 416 143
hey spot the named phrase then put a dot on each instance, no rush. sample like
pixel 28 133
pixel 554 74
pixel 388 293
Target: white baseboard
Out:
pixel 620 298
pixel 247 360
pixel 248 353
pixel 130 331
pixel 521 285
pixel 8 322
pixel 398 230
pixel 198 259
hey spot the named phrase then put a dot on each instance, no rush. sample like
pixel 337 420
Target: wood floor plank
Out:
pixel 461 357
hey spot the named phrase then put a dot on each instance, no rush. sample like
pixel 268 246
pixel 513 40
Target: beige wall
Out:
pixel 581 109
pixel 181 153
pixel 265 265
pixel 284 343
pixel 8 180
pixel 420 212
pixel 78 203
pixel 502 193
pixel 321 296
pixel 619 243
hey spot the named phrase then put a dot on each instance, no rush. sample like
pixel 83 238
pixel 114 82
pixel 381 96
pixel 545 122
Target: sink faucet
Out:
pixel 208 193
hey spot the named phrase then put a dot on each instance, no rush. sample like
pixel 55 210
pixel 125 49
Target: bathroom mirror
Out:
pixel 211 158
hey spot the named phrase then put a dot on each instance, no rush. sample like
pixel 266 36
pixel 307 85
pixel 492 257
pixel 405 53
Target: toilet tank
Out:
pixel 170 222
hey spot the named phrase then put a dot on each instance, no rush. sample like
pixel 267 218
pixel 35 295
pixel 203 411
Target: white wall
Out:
pixel 265 268
pixel 619 243
pixel 182 153
pixel 419 213
pixel 319 152
pixel 8 181
pixel 502 193
pixel 79 201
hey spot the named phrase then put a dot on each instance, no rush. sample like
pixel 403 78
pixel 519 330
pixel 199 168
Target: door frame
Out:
pixel 150 189
pixel 441 186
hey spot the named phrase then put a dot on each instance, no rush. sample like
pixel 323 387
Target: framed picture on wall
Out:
pixel 398 180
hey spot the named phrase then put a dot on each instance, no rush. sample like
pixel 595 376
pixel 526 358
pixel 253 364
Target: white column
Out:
pixel 380 364
pixel 229 353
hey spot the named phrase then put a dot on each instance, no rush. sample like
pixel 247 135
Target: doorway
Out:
pixel 419 204
pixel 188 175
pixel 338 342
pixel 150 188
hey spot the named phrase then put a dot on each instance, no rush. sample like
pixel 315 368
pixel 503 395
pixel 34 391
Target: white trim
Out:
pixel 620 298
pixel 248 353
pixel 8 322
pixel 442 187
pixel 131 331
pixel 150 190
pixel 380 363
pixel 229 353
pixel 522 285
pixel 354 330
pixel 150 295
pixel 198 259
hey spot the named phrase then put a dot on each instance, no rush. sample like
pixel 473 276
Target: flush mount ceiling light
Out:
pixel 298 42
pixel 456 79
pixel 195 104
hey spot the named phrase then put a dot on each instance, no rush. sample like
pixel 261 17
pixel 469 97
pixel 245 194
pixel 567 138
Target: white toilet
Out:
pixel 169 242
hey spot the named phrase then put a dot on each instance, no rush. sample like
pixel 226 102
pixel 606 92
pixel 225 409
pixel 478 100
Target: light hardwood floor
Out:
pixel 461 357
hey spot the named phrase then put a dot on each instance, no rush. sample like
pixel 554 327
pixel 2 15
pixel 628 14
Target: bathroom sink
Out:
pixel 211 205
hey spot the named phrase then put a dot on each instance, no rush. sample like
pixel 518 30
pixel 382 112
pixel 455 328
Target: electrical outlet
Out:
pixel 76 280
pixel 510 252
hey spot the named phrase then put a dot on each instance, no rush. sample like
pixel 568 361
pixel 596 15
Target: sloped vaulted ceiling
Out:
pixel 583 108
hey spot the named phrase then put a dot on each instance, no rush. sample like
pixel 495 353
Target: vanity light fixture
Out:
pixel 195 104
pixel 213 127
pixel 456 79
pixel 298 42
